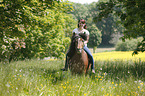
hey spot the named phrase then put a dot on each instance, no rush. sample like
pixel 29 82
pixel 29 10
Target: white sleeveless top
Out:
pixel 84 30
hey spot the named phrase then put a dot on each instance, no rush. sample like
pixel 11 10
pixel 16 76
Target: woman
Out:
pixel 81 29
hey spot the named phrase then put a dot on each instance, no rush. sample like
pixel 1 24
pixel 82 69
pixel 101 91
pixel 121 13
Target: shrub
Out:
pixel 128 45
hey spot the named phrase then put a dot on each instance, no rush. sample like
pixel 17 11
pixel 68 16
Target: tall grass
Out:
pixel 44 78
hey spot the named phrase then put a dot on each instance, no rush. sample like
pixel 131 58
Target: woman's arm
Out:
pixel 86 41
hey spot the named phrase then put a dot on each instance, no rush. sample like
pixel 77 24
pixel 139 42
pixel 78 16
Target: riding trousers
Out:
pixel 91 60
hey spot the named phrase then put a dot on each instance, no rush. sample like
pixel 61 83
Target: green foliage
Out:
pixel 80 11
pixel 95 36
pixel 128 45
pixel 34 28
pixel 131 14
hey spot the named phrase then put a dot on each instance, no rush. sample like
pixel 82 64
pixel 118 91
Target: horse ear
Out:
pixel 74 33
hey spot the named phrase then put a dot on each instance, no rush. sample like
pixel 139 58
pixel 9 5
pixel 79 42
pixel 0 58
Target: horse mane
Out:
pixel 72 45
pixel 83 35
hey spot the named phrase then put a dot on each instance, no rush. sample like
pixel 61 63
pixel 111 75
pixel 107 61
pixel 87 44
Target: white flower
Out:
pixel 8 85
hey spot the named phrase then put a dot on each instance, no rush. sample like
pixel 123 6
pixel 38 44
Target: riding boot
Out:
pixel 66 65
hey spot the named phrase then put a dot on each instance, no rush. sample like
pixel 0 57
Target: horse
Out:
pixel 78 61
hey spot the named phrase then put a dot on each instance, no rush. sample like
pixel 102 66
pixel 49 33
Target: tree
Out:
pixel 80 11
pixel 33 28
pixel 95 37
pixel 132 17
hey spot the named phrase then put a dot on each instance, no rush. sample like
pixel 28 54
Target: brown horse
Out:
pixel 78 61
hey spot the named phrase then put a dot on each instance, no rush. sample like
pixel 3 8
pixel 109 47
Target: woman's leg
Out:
pixel 90 57
pixel 66 63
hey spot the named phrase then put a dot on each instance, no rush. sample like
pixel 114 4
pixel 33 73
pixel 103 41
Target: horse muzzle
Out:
pixel 79 50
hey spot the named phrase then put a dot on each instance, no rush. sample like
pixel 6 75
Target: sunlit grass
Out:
pixel 119 75
pixel 118 55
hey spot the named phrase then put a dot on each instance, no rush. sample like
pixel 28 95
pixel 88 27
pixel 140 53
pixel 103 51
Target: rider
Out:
pixel 81 29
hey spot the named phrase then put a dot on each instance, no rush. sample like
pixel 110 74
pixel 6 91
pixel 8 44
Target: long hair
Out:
pixel 84 22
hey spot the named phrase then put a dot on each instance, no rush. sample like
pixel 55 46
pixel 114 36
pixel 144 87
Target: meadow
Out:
pixel 117 74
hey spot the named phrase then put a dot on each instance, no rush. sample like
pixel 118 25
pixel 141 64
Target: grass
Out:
pixel 114 76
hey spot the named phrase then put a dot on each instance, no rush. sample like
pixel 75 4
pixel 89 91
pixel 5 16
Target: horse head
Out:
pixel 78 43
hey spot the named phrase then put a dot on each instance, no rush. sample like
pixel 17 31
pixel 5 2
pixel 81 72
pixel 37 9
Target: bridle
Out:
pixel 78 39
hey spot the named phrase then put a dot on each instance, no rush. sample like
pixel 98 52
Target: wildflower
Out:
pixel 138 86
pixel 64 87
pixel 20 75
pixel 105 73
pixel 141 83
pixel 142 90
pixel 99 76
pixel 7 85
pixel 112 82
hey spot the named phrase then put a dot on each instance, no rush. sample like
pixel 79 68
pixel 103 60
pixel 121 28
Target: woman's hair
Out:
pixel 84 22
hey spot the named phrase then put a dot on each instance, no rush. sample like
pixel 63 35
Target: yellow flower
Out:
pixel 142 90
pixel 141 83
pixel 112 82
pixel 138 86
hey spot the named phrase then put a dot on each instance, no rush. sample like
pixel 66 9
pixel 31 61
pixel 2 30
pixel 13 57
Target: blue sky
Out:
pixel 83 1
